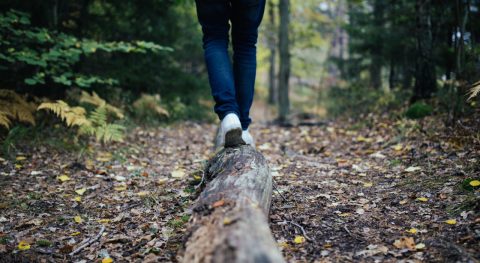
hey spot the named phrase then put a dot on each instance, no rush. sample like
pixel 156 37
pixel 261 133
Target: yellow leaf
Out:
pixel 104 156
pixel 18 166
pixel 344 214
pixel 20 158
pixel 120 188
pixel 78 219
pixel 451 221
pixel 78 199
pixel 103 221
pixel 398 147
pixel 81 191
pixel 412 231
pixel 475 183
pixel 143 193
pixel 23 245
pixel 75 234
pixel 422 199
pixel 63 178
pixel 107 260
pixel 404 201
pixel 299 240
pixel 367 184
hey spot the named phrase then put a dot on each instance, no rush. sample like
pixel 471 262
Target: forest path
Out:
pixel 376 190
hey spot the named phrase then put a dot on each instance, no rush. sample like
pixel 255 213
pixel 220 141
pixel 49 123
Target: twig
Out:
pixel 274 184
pixel 301 228
pixel 201 181
pixel 89 242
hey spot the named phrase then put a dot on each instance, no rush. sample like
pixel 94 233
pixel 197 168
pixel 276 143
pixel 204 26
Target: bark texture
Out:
pixel 230 217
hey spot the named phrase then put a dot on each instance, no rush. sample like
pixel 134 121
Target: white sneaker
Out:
pixel 230 132
pixel 247 137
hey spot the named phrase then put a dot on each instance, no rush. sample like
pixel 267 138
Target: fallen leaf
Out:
pixel 412 169
pixel 78 219
pixel 120 188
pixel 420 246
pixel 405 242
pixel 412 231
pixel 218 203
pixel 397 147
pixel 81 191
pixel 475 183
pixel 103 221
pixel 422 199
pixel 63 178
pixel 75 234
pixel 178 173
pixel 367 184
pixel 23 245
pixel 143 193
pixel 78 199
pixel 299 240
pixel 451 221
pixel 104 156
pixel 20 158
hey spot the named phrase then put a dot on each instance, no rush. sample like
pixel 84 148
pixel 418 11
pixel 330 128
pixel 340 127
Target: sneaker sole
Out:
pixel 234 138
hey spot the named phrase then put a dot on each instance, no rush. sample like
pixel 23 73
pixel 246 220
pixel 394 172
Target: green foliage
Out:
pixel 43 56
pixel 418 110
pixel 466 184
pixel 96 124
pixel 355 100
pixel 44 243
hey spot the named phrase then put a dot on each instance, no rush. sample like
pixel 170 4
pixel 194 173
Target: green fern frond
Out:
pixel 99 116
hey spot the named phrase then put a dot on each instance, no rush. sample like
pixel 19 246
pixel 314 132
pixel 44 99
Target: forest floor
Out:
pixel 376 190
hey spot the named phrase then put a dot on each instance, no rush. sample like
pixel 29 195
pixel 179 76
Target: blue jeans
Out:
pixel 232 87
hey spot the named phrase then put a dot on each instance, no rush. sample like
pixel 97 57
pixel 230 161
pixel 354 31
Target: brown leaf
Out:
pixel 218 203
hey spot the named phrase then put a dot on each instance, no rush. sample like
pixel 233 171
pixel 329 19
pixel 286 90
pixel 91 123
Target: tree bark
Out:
pixel 284 71
pixel 272 89
pixel 425 77
pixel 229 221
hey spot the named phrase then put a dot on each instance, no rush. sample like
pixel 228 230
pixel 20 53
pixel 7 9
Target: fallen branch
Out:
pixel 88 242
pixel 230 217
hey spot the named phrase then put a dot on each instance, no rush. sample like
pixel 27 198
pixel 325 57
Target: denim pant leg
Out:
pixel 246 18
pixel 214 16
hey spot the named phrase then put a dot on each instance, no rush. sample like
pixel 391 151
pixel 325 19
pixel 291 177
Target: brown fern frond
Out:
pixel 15 107
pixel 95 100
pixel 474 91
pixel 4 121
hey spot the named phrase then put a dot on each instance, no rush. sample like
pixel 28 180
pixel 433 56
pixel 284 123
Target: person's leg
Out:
pixel 246 18
pixel 214 16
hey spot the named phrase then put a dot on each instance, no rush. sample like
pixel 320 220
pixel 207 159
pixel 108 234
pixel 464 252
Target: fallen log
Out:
pixel 230 217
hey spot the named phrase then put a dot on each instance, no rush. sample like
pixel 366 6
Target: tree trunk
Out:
pixel 377 46
pixel 425 77
pixel 229 221
pixel 272 89
pixel 284 71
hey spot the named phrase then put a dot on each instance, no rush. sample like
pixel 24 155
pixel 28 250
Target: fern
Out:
pixel 14 107
pixel 100 128
pixel 95 100
pixel 4 121
pixel 72 116
pixel 148 104
pixel 474 91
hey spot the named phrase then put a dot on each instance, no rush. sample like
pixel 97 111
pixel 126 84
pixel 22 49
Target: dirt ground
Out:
pixel 373 190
